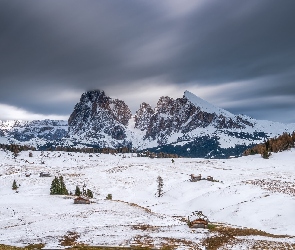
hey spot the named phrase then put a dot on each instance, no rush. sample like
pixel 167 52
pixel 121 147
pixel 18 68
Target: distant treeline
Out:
pixel 156 155
pixel 115 151
pixel 91 150
pixel 16 148
pixel 276 144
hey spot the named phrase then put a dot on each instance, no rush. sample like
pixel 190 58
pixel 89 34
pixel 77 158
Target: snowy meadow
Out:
pixel 248 192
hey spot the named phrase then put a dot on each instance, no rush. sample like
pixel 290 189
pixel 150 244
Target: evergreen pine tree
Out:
pixel 62 186
pixel 89 193
pixel 160 186
pixel 14 185
pixel 58 186
pixel 77 191
pixel 84 190
pixel 54 186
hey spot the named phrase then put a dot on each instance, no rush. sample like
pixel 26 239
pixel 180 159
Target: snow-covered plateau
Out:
pixel 248 192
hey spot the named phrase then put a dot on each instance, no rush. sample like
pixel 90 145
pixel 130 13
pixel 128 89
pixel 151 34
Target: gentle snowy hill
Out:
pixel 247 192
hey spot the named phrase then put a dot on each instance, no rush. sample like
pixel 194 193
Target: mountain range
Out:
pixel 188 126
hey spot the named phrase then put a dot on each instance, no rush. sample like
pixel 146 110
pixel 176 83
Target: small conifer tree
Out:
pixel 54 186
pixel 63 189
pixel 160 186
pixel 14 185
pixel 89 193
pixel 77 191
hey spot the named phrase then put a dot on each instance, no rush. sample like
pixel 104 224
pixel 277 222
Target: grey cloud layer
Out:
pixel 81 45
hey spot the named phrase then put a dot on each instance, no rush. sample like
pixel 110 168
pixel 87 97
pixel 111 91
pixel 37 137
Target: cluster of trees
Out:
pixel 85 192
pixel 91 150
pixel 58 186
pixel 156 155
pixel 112 151
pixel 16 148
pixel 277 144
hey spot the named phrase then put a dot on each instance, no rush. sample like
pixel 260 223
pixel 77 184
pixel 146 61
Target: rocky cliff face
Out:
pixel 187 126
pixel 183 115
pixel 99 117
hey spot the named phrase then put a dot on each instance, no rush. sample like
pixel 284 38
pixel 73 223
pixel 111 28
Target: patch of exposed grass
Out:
pixel 70 239
pixel 29 247
pixel 5 247
pixel 35 246
pixel 211 226
pixel 135 205
pixel 108 248
pixel 230 231
pixel 147 242
pixel 224 235
pixel 145 227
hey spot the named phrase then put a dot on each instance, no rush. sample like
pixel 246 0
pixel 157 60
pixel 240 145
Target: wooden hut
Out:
pixel 81 200
pixel 42 174
pixel 195 177
pixel 198 220
pixel 209 178
pixel 199 223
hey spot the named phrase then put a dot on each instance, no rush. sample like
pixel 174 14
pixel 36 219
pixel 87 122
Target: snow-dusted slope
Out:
pixel 206 106
pixel 34 133
pixel 248 192
pixel 188 126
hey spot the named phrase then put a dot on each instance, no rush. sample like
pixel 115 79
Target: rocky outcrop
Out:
pixel 98 116
pixel 143 116
pixel 181 116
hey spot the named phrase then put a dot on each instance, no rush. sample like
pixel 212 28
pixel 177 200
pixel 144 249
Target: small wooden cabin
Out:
pixel 42 174
pixel 209 178
pixel 195 177
pixel 199 223
pixel 81 200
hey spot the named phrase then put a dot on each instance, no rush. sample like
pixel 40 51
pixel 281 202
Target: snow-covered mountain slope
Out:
pixel 34 133
pixel 206 106
pixel 247 192
pixel 188 126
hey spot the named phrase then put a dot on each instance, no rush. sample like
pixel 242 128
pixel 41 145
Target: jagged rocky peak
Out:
pixel 164 104
pixel 100 117
pixel 92 103
pixel 143 116
pixel 121 111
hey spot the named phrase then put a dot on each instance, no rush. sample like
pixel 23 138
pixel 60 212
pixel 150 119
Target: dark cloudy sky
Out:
pixel 239 55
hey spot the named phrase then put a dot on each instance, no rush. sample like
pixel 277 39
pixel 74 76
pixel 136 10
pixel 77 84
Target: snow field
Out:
pixel 34 216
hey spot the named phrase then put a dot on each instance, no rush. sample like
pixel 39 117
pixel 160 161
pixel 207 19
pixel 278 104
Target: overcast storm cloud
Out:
pixel 239 55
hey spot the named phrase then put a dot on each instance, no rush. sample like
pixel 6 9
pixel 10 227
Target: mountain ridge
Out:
pixel 187 125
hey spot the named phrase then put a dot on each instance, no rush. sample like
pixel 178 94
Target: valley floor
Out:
pixel 248 192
